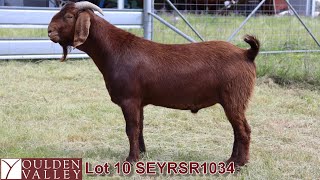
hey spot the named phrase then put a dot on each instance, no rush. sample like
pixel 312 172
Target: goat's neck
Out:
pixel 105 43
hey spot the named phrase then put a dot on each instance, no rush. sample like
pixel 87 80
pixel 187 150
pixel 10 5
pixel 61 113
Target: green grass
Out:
pixel 290 68
pixel 53 109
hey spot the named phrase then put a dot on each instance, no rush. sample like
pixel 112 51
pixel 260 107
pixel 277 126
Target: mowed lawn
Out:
pixel 53 109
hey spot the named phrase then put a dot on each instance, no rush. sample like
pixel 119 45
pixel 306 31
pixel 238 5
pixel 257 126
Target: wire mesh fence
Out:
pixel 274 23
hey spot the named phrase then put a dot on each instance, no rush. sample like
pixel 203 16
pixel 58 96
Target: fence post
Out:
pixel 313 8
pixel 120 4
pixel 147 19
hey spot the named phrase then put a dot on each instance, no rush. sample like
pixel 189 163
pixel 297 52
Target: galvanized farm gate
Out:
pixel 123 18
pixel 178 16
pixel 39 48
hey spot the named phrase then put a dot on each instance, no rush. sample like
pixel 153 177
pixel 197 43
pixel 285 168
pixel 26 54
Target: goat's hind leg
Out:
pixel 142 146
pixel 234 153
pixel 241 129
pixel 234 100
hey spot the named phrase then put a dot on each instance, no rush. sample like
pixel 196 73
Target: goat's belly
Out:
pixel 185 93
pixel 188 102
pixel 193 107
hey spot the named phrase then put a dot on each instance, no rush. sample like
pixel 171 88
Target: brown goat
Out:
pixel 138 72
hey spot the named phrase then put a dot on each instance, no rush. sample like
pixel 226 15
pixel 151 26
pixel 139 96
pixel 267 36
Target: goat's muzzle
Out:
pixel 53 35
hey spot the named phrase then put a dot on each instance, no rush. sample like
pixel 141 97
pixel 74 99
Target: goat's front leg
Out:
pixel 131 112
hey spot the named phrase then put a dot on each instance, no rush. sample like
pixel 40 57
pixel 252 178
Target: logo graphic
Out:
pixel 41 168
pixel 11 169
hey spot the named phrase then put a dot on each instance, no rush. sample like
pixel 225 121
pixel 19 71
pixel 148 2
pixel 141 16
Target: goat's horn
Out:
pixel 88 5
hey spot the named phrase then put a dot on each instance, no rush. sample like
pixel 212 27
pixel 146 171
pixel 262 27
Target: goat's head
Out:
pixel 70 26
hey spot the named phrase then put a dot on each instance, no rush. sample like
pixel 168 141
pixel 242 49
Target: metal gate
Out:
pixel 209 29
pixel 40 48
pixel 229 21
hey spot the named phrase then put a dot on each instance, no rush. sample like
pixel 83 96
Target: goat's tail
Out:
pixel 255 46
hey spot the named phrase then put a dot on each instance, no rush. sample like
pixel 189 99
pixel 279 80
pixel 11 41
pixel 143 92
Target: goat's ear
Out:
pixel 82 27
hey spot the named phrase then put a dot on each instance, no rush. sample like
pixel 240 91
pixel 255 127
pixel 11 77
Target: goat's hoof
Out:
pixel 237 163
pixel 132 160
pixel 194 111
pixel 231 159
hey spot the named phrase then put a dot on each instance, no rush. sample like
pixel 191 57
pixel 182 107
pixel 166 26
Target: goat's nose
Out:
pixel 49 32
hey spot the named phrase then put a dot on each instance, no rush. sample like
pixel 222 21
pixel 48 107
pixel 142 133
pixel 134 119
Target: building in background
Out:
pixel 30 3
pixel 129 4
pixel 303 7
